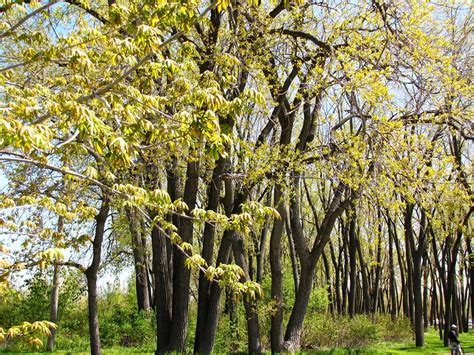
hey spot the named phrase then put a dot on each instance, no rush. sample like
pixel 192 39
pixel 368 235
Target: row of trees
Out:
pixel 234 139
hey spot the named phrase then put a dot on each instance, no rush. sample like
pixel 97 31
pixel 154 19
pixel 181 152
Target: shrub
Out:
pixel 362 331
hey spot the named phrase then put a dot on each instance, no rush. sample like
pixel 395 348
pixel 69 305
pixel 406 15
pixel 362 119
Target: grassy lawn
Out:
pixel 433 345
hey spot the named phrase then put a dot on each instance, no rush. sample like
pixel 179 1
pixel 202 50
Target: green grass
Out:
pixel 433 345
pixel 110 351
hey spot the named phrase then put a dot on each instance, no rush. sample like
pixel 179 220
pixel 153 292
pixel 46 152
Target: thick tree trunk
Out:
pixel 206 343
pixel 309 261
pixel 163 290
pixel 295 323
pixel 214 190
pixel 91 275
pixel 414 265
pixel 181 274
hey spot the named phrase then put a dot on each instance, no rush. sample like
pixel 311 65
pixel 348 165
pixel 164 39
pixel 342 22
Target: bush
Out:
pixel 362 331
pixel 120 323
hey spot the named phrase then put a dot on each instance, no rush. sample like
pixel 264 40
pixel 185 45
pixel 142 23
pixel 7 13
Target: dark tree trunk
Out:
pixel 471 277
pixel 276 331
pixel 181 274
pixel 291 246
pixel 214 190
pixel 365 279
pixel 392 286
pixel 403 281
pixel 352 244
pixel 378 268
pixel 91 275
pixel 293 330
pixel 336 261
pixel 345 277
pixel 309 261
pixel 416 252
pixel 418 299
pixel 232 206
pixel 206 343
pixel 163 291
pixel 253 331
pixel 139 256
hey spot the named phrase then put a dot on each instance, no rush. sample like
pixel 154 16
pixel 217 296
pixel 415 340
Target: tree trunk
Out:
pixel 91 275
pixel 163 290
pixel 295 323
pixel 378 267
pixel 418 299
pixel 253 331
pixel 353 263
pixel 365 279
pixel 139 258
pixel 181 274
pixel 53 315
pixel 206 343
pixel 276 331
pixel 214 190
pixel 392 286
pixel 291 246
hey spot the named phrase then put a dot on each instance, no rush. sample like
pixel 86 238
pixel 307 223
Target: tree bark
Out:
pixel 181 274
pixel 53 315
pixel 352 263
pixel 253 330
pixel 163 291
pixel 91 275
pixel 276 330
pixel 140 263
pixel 214 190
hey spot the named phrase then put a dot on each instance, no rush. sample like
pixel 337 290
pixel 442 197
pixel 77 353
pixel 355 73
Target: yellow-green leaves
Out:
pixel 29 332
